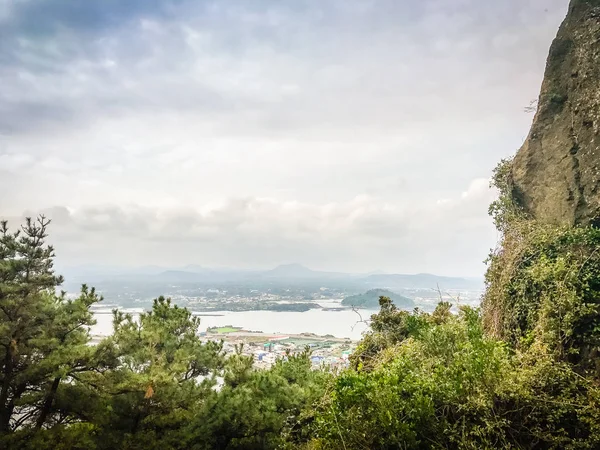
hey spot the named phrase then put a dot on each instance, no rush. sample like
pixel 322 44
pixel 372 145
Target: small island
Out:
pixel 257 306
pixel 370 299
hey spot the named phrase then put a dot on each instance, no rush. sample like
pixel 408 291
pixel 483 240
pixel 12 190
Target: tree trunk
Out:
pixel 5 407
pixel 47 403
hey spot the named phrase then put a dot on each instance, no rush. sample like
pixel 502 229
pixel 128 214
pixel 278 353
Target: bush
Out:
pixel 448 385
pixel 543 284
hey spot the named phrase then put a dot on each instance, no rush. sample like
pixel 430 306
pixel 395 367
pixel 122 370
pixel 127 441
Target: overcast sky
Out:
pixel 350 135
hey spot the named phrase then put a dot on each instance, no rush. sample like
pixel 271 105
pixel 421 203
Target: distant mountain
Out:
pixel 281 275
pixel 422 281
pixel 377 272
pixel 291 271
pixel 370 299
pixel 194 268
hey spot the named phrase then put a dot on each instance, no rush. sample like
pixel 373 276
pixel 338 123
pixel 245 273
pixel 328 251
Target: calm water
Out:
pixel 343 324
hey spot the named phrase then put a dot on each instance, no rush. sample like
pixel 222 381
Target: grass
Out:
pixel 224 330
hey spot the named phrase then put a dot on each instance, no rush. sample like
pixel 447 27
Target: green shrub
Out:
pixel 543 284
pixel 449 385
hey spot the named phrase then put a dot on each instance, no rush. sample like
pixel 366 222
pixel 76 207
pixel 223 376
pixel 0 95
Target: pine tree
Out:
pixel 165 373
pixel 43 334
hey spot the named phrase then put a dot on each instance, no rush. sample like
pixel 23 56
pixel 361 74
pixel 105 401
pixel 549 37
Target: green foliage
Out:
pixel 163 375
pixel 43 335
pixel 389 327
pixel 151 384
pixel 76 436
pixel 543 284
pixel 260 409
pixel 522 374
pixel 504 210
pixel 448 385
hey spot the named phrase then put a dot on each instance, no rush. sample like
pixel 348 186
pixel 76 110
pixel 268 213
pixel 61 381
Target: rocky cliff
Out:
pixel 556 174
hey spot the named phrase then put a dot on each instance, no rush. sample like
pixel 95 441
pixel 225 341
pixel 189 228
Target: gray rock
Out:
pixel 556 174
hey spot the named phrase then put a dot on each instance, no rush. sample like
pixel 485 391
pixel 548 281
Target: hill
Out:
pixel 370 299
pixel 291 271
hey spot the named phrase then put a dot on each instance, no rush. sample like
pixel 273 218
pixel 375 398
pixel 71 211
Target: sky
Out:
pixel 346 135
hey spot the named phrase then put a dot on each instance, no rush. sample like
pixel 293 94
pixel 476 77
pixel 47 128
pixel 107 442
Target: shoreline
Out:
pixel 257 336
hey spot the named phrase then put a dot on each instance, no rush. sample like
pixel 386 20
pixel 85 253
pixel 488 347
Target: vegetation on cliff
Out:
pixel 439 381
pixel 543 283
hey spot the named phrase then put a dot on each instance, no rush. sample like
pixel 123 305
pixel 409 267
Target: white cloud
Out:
pixel 337 126
pixel 361 234
pixel 15 161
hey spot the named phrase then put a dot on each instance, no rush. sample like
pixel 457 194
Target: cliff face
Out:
pixel 556 174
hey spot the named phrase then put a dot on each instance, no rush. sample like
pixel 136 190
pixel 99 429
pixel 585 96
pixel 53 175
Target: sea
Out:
pixel 341 323
pixel 344 323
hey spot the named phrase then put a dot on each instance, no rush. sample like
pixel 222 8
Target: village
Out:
pixel 325 351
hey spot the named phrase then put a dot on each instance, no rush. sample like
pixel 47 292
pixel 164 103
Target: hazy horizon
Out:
pixel 193 268
pixel 348 136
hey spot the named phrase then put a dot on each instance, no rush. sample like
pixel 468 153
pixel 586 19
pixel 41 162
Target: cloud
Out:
pixel 15 162
pixel 67 62
pixel 358 235
pixel 342 123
